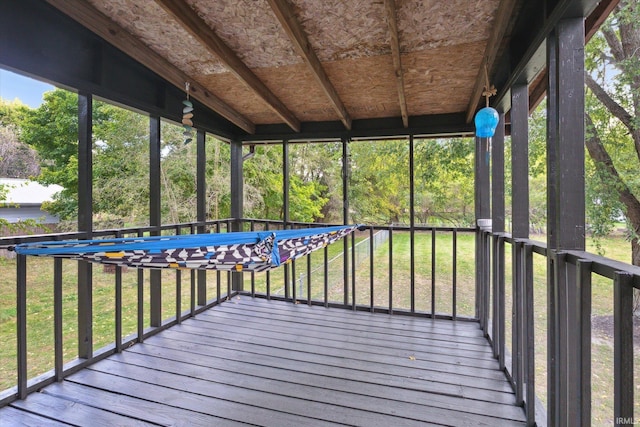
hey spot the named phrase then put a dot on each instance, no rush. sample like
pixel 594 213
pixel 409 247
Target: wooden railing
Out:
pixel 418 274
pixel 568 302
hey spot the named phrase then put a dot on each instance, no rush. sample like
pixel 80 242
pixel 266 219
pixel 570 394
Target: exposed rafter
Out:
pixel 100 24
pixel 300 41
pixel 538 89
pixel 501 22
pixel 390 6
pixel 199 29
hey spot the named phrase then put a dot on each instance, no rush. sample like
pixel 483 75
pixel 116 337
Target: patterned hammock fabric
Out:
pixel 234 251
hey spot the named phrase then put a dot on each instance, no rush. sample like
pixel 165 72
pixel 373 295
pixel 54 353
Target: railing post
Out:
pixel 623 348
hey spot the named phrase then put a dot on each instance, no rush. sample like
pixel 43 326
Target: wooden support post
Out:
pixel 345 215
pixel 483 213
pixel 237 200
pixel 201 214
pixel 497 226
pixel 552 241
pixel 155 220
pixel 566 218
pixel 286 184
pixel 85 223
pixel 520 228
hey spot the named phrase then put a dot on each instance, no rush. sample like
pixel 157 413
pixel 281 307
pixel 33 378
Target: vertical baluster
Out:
pixel 390 270
pixel 623 348
pixel 371 263
pixel 21 323
pixel 529 371
pixel 433 272
pixel 326 277
pixel 454 278
pixel 309 279
pixel 178 296
pixel 353 271
pixel 57 318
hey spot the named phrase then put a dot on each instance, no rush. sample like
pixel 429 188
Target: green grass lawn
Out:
pixel 40 300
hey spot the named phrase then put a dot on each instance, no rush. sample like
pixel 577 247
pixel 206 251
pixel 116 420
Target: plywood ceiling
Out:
pixel 293 61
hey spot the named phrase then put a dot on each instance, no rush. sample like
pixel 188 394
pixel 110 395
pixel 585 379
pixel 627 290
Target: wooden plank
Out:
pixel 100 24
pixel 409 361
pixel 134 407
pixel 479 342
pixel 11 416
pixel 341 372
pixel 330 340
pixel 301 367
pixel 379 408
pixel 292 408
pixel 390 323
pixel 172 359
pixel 179 394
pixel 393 346
pixel 298 37
pixel 394 39
pixel 365 371
pixel 442 344
pixel 198 28
pixel 463 328
pixel 70 412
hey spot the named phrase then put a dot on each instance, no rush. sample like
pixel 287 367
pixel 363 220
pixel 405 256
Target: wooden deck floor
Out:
pixel 258 362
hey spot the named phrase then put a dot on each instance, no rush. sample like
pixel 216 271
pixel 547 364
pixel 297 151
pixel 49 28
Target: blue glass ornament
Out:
pixel 486 121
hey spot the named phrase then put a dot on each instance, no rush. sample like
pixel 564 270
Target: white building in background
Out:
pixel 21 199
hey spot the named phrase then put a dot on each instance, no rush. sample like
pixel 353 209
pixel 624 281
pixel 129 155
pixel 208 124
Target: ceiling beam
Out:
pixel 104 27
pixel 500 24
pixel 198 28
pixel 298 37
pixel 390 6
pixel 591 26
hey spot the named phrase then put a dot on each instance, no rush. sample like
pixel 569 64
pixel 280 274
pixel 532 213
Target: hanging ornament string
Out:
pixel 489 89
pixel 487 118
pixel 187 116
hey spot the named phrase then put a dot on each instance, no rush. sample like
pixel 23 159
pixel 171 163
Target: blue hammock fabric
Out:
pixel 233 251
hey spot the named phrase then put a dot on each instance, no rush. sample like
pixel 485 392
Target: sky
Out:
pixel 27 90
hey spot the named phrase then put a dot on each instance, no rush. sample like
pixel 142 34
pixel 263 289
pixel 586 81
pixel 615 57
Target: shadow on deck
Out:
pixel 259 362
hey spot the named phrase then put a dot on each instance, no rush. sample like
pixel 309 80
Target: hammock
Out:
pixel 233 251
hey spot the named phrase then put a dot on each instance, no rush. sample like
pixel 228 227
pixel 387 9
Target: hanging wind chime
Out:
pixel 487 118
pixel 187 116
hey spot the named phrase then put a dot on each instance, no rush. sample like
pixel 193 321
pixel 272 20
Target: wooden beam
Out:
pixel 104 27
pixel 591 26
pixel 390 6
pixel 198 28
pixel 298 37
pixel 500 24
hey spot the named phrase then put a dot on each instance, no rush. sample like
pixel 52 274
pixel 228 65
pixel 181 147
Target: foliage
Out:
pixel 613 116
pixel 444 182
pixel 17 160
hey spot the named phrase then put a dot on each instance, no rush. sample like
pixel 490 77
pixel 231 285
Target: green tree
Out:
pixel 613 122
pixel 444 184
